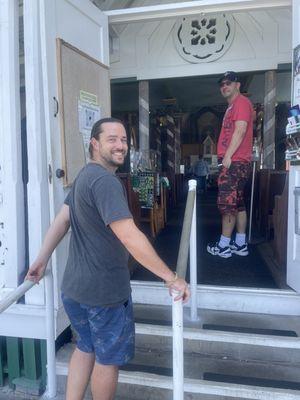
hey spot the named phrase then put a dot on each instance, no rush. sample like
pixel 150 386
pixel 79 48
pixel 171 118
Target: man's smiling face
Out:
pixel 111 148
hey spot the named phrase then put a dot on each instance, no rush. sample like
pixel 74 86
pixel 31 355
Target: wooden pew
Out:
pixel 280 219
pixel 132 197
pixel 271 183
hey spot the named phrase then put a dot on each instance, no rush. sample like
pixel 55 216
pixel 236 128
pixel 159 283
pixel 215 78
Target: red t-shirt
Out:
pixel 240 110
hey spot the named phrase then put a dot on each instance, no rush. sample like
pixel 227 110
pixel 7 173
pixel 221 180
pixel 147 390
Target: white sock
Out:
pixel 240 239
pixel 224 241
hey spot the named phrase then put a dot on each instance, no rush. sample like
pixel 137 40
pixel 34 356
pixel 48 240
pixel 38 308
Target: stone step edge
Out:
pixel 282 342
pixel 200 386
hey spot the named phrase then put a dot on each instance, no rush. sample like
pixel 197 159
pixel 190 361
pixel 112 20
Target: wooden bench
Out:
pixel 132 197
pixel 156 215
pixel 270 184
pixel 280 219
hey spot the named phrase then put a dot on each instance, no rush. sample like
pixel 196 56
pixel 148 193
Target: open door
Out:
pixel 293 250
pixel 73 47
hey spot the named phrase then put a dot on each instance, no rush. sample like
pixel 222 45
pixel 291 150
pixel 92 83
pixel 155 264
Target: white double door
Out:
pixel 81 24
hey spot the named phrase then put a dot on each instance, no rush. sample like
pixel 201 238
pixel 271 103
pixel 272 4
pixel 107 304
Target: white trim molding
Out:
pixel 175 10
pixel 12 231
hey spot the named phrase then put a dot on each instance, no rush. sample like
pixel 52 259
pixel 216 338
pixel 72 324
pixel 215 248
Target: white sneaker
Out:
pixel 239 250
pixel 215 250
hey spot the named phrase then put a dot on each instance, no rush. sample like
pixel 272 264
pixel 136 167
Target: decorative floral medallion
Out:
pixel 204 38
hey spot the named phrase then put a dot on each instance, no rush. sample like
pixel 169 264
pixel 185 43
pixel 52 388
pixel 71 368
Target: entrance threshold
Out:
pixel 225 298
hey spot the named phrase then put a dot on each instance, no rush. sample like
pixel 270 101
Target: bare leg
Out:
pixel 80 369
pixel 104 381
pixel 241 222
pixel 228 224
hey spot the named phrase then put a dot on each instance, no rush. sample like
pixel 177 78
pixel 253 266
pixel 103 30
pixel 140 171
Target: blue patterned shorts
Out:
pixel 106 331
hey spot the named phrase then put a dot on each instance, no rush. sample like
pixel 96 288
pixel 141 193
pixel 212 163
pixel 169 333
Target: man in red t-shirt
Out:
pixel 234 154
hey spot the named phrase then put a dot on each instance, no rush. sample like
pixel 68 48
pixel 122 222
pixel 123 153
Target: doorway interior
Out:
pixel 198 108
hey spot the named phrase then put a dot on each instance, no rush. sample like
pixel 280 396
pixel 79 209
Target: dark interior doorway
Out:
pixel 250 271
pixel 197 103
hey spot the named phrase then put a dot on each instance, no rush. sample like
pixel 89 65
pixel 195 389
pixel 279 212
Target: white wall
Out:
pixel 262 40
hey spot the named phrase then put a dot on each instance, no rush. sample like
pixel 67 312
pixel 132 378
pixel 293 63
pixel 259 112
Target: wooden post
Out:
pixel 2 359
pixel 269 120
pixel 144 115
pixel 31 356
pixel 13 359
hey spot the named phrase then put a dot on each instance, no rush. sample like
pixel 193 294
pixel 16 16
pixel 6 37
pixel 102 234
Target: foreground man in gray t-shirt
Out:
pixel 96 282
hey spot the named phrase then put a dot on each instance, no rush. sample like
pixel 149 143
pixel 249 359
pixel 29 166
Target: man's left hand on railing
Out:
pixel 54 235
pixel 179 286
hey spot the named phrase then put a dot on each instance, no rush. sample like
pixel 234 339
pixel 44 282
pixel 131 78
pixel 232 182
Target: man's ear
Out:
pixel 94 142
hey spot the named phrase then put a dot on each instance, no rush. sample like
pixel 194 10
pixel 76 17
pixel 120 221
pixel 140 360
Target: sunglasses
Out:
pixel 225 83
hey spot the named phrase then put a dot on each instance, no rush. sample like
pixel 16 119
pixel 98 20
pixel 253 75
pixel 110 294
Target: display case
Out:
pixel 293 236
pixel 152 198
pixel 293 139
pixel 145 184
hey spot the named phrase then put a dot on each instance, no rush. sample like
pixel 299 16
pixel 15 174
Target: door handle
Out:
pixel 56 106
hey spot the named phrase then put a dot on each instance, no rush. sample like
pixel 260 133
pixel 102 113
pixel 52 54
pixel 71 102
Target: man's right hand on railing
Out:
pixel 179 285
pixel 36 271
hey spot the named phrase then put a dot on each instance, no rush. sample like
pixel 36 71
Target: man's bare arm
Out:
pixel 54 235
pixel 236 140
pixel 140 248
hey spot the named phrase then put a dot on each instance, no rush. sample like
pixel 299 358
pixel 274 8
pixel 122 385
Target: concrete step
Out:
pixel 233 299
pixel 221 345
pixel 136 385
pixel 235 369
pixel 162 315
pixel 252 336
pixel 240 355
pixel 203 364
pixel 224 368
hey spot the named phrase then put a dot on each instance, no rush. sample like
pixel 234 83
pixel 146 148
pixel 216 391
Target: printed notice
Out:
pixel 296 80
pixel 88 114
pixel 87 97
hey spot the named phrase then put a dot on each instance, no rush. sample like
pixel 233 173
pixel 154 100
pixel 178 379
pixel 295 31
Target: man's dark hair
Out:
pixel 97 129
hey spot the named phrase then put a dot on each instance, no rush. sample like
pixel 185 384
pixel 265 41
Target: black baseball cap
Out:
pixel 229 76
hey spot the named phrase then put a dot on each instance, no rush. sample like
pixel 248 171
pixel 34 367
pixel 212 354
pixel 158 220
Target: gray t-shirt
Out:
pixel 97 268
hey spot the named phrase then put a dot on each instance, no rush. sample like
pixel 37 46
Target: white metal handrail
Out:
pixel 188 240
pixel 14 296
pixel 188 244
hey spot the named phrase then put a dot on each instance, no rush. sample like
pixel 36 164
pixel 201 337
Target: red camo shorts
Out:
pixel 231 185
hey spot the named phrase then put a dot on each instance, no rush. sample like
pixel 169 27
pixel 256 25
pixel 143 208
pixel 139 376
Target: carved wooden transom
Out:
pixel 204 38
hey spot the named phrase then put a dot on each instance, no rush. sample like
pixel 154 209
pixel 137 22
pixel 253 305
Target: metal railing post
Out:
pixel 50 330
pixel 251 202
pixel 50 325
pixel 178 375
pixel 177 308
pixel 193 255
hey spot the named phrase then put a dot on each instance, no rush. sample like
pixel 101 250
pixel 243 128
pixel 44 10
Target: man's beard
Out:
pixel 110 161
